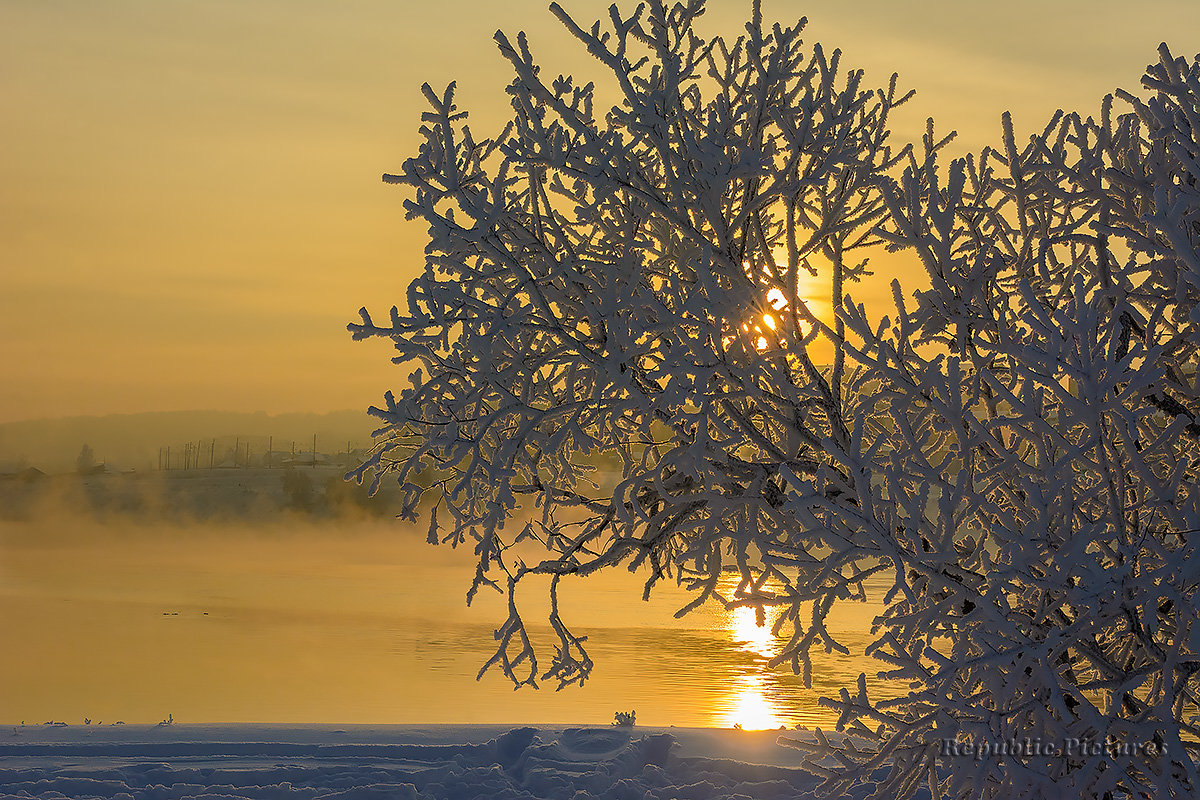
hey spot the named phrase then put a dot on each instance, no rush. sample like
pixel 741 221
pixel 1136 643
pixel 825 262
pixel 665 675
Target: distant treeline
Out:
pixel 196 494
pixel 134 441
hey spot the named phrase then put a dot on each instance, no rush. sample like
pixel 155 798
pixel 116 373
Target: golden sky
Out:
pixel 190 202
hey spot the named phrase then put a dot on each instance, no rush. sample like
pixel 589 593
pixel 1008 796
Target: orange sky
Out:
pixel 190 203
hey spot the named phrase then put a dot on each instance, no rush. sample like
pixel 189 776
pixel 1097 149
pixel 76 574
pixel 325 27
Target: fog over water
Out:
pixel 351 620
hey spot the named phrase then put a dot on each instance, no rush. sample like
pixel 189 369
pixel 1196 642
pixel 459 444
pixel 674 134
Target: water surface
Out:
pixel 355 622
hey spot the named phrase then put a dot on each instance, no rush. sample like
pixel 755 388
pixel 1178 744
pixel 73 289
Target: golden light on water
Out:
pixel 751 707
pixel 750 704
pixel 749 634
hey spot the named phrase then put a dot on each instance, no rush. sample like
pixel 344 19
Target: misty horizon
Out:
pixel 758 373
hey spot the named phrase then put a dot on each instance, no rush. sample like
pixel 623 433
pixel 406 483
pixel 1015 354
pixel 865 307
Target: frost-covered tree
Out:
pixel 1016 451
pixel 1039 471
pixel 85 462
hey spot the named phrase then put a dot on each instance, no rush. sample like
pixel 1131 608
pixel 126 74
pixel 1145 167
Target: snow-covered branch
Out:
pixel 611 367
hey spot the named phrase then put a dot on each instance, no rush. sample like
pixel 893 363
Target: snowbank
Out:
pixel 172 762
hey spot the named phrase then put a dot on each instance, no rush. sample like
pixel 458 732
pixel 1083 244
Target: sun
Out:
pixel 778 302
pixel 769 327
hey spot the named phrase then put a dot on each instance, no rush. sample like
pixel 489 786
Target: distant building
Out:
pixel 352 458
pixel 21 474
pixel 308 459
pixel 105 468
pixel 277 458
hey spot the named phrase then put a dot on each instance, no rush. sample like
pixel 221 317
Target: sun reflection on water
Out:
pixel 749 635
pixel 750 704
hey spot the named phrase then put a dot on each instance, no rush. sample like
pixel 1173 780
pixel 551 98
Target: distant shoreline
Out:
pixel 137 441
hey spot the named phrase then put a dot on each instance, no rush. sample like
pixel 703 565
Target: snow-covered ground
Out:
pixel 176 761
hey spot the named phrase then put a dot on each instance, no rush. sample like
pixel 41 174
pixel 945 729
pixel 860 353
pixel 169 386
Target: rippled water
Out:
pixel 357 622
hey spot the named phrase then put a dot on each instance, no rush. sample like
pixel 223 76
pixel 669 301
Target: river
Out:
pixel 357 622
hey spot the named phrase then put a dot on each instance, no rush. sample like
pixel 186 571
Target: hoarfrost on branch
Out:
pixel 1015 448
